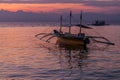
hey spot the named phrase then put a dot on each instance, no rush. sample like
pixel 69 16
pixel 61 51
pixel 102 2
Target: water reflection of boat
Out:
pixel 71 60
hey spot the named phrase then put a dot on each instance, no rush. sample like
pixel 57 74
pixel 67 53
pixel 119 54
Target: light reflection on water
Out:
pixel 24 57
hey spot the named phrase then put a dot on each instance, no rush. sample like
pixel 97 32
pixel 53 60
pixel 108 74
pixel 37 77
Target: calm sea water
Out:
pixel 24 57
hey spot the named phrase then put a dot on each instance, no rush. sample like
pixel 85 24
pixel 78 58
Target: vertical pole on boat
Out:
pixel 70 22
pixel 60 23
pixel 80 21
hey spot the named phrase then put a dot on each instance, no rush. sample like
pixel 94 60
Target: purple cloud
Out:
pixel 96 3
pixel 21 16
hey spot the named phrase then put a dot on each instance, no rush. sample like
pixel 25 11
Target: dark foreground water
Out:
pixel 24 57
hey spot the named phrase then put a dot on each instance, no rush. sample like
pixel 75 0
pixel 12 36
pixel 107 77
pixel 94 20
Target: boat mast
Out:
pixel 80 21
pixel 60 23
pixel 70 22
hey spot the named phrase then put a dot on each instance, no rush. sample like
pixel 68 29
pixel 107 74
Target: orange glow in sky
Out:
pixel 48 7
pixel 57 7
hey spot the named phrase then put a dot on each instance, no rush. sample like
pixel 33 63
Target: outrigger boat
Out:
pixel 70 39
pixel 73 40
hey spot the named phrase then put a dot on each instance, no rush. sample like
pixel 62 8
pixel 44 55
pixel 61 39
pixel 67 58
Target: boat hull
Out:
pixel 71 41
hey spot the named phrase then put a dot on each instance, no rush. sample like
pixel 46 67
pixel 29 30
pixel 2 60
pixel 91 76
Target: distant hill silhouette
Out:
pixel 26 16
pixel 21 16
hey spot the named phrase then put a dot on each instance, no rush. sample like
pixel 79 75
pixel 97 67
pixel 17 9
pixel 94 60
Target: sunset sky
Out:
pixel 50 10
pixel 103 6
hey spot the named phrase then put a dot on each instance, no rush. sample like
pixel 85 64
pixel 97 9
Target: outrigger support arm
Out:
pixel 46 35
pixel 107 41
pixel 50 38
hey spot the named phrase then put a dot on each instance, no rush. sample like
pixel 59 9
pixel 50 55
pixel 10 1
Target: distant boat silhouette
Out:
pixel 99 23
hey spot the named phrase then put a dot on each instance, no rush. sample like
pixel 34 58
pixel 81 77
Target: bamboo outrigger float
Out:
pixel 79 40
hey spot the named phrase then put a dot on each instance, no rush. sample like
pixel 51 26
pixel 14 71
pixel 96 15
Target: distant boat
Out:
pixel 99 23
